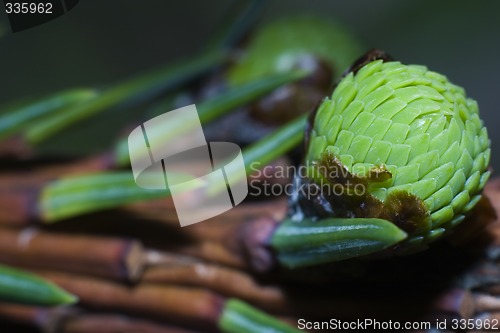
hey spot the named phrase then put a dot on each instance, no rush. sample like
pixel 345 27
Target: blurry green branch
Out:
pixel 88 193
pixel 78 195
pixel 38 121
pixel 16 120
pixel 220 105
pixel 74 196
pixel 69 107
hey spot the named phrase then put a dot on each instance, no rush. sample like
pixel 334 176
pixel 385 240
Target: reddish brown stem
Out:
pixel 24 314
pixel 456 302
pixel 18 207
pixel 216 228
pixel 240 245
pixel 19 191
pixel 488 303
pixel 214 252
pixel 187 306
pixel 115 258
pixel 226 281
pixel 15 146
pixel 68 320
pixel 92 323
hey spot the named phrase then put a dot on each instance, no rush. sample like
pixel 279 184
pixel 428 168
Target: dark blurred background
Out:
pixel 101 42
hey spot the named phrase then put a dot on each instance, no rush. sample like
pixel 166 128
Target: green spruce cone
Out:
pixel 398 142
pixel 280 45
pixel 316 45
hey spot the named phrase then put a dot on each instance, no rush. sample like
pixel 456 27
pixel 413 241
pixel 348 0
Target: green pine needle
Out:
pixel 78 195
pixel 220 105
pixel 21 287
pixel 239 317
pixel 15 120
pixel 307 242
pixel 141 87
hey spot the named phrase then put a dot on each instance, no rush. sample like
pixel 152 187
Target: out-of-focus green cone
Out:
pixel 314 44
pixel 398 142
pixel 280 45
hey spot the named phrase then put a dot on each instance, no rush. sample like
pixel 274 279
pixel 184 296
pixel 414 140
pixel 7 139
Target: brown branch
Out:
pixel 319 302
pixel 214 252
pixel 15 146
pixel 19 191
pixel 226 281
pixel 70 320
pixel 102 323
pixel 19 195
pixel 109 257
pixel 216 228
pixel 191 307
pixel 22 314
pixel 36 177
pixel 488 303
pixel 18 207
